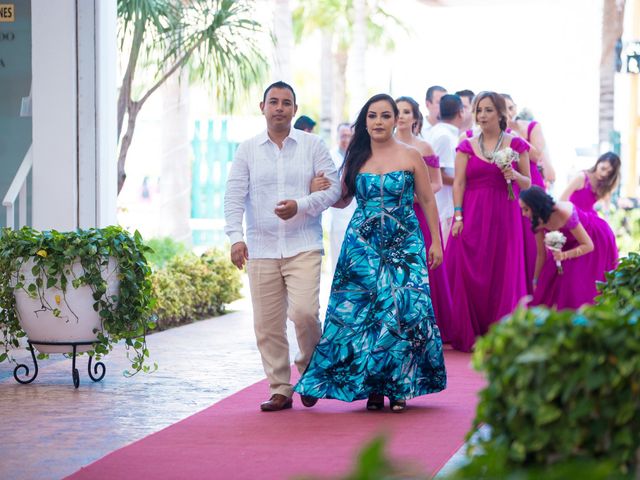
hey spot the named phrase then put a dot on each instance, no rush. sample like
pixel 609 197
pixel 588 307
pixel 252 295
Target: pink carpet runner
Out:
pixel 234 440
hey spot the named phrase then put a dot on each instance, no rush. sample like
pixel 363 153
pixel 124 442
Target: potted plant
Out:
pixel 63 279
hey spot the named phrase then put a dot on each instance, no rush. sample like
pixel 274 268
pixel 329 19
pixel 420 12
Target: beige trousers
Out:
pixel 281 288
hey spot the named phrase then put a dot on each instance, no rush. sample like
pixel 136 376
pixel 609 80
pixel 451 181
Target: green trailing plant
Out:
pixel 126 316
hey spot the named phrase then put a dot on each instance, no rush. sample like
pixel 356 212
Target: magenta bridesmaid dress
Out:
pixel 576 286
pixel 438 281
pixel 529 237
pixel 485 263
pixel 584 198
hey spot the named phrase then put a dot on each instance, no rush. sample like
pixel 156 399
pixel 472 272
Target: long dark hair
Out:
pixel 416 126
pixel 604 186
pixel 498 103
pixel 359 149
pixel 540 203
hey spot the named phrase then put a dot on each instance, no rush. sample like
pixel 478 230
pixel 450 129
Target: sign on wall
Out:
pixel 7 12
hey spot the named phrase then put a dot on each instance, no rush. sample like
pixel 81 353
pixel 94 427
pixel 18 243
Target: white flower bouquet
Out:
pixel 503 159
pixel 555 241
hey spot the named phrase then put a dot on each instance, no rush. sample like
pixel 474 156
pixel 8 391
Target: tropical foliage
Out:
pixel 216 40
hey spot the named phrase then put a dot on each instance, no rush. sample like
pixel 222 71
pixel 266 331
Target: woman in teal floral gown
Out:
pixel 380 336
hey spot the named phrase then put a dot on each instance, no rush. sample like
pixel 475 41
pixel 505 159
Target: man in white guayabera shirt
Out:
pixel 269 181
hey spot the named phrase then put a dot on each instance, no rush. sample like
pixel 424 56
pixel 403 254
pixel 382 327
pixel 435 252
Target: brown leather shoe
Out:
pixel 308 401
pixel 276 402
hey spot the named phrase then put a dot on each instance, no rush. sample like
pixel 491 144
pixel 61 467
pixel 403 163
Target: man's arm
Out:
pixel 445 150
pixel 316 202
pixel 235 196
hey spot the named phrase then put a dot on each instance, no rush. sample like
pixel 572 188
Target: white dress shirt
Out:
pixel 262 175
pixel 444 140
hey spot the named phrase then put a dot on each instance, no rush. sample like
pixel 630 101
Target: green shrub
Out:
pixel 626 226
pixel 189 288
pixel 623 284
pixel 163 250
pixel 562 386
pixel 229 283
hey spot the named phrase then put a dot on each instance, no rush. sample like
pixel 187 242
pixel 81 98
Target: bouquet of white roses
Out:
pixel 555 241
pixel 503 159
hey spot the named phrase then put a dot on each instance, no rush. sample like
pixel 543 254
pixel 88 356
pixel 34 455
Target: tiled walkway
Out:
pixel 49 429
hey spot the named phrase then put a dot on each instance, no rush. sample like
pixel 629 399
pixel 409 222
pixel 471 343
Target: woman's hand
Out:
pixel 435 255
pixel 559 255
pixel 508 173
pixel 457 228
pixel 319 182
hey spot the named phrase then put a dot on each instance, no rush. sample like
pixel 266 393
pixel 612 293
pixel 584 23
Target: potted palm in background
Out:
pixel 69 292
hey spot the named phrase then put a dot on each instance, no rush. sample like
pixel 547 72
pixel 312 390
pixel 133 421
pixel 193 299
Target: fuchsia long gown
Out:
pixel 485 263
pixel 438 281
pixel 529 237
pixel 584 198
pixel 576 286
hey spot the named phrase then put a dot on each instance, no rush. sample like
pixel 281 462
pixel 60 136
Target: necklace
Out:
pixel 489 156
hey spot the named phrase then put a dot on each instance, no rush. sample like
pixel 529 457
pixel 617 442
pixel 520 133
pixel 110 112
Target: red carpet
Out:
pixel 234 440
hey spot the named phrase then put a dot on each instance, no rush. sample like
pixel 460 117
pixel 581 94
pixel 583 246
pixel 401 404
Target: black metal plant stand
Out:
pixel 99 368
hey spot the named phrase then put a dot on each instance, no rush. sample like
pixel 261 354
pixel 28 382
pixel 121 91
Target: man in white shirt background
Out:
pixel 432 102
pixel 444 140
pixel 269 183
pixel 467 101
pixel 340 217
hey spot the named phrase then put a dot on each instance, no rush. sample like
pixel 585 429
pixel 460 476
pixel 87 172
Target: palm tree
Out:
pixel 347 27
pixel 612 26
pixel 216 40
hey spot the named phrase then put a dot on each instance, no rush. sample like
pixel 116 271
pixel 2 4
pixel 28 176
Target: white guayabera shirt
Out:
pixel 262 175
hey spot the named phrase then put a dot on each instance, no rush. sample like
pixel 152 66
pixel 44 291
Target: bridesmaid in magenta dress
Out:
pixel 594 184
pixel 589 251
pixel 531 131
pixel 407 127
pixel 484 256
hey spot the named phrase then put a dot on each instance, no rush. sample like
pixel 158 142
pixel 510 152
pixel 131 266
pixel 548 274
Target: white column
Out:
pixel 54 94
pixel 106 106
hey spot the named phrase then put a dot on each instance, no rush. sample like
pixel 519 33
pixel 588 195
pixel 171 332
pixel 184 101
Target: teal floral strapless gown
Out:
pixel 380 334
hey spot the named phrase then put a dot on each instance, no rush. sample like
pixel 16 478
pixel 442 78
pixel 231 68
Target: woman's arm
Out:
pixel 585 245
pixel 344 199
pixel 537 142
pixel 436 178
pixel 574 185
pixel 541 255
pixel 523 173
pixel 427 202
pixel 459 184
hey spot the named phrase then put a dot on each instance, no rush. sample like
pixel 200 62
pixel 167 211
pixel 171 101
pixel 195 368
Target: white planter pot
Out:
pixel 77 322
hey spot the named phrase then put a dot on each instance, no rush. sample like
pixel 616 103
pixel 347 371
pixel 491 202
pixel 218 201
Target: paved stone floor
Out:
pixel 49 429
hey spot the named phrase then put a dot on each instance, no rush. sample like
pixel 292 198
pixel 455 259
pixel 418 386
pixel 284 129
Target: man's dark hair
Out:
pixel 279 84
pixel 466 93
pixel 450 106
pixel 434 89
pixel 304 123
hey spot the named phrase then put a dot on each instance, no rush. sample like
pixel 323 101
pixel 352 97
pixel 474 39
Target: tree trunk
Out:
pixel 283 31
pixel 125 142
pixel 326 87
pixel 358 88
pixel 612 26
pixel 175 176
pixel 341 58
